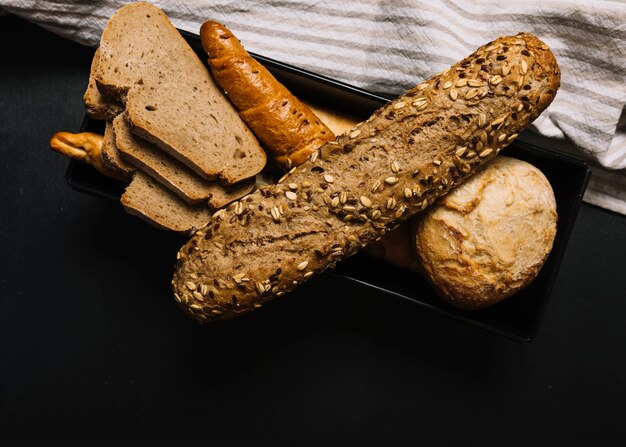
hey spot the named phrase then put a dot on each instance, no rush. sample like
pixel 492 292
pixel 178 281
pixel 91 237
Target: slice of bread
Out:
pixel 189 121
pixel 111 156
pixel 139 41
pixel 97 106
pixel 173 174
pixel 157 205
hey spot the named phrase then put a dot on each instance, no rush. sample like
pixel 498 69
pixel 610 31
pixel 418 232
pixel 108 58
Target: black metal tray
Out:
pixel 518 317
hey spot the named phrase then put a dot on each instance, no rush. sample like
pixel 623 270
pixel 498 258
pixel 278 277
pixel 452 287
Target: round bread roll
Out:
pixel 488 238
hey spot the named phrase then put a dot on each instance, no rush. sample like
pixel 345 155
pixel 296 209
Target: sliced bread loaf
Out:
pixel 183 111
pixel 190 121
pixel 157 205
pixel 97 106
pixel 111 156
pixel 171 172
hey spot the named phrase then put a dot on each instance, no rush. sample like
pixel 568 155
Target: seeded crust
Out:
pixel 111 156
pixel 96 105
pixel 173 174
pixel 353 191
pixel 157 205
pixel 189 122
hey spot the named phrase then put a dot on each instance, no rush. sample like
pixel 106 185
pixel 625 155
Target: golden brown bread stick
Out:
pixel 85 147
pixel 286 126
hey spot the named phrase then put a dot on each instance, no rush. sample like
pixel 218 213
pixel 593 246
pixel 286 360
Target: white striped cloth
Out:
pixel 387 46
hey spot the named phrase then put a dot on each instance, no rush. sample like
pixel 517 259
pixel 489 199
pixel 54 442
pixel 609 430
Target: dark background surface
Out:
pixel 93 348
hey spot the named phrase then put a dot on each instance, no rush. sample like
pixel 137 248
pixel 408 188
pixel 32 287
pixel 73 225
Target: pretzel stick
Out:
pixel 85 147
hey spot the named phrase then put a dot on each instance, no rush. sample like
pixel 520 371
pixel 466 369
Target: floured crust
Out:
pixel 489 237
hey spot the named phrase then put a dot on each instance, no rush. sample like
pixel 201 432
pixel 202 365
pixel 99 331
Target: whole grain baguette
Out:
pixel 287 127
pixel 173 174
pixel 353 191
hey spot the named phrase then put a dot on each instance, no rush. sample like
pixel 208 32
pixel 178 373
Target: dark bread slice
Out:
pixel 173 174
pixel 353 191
pixel 111 156
pixel 157 205
pixel 194 121
pixel 139 42
pixel 97 106
pixel 190 121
